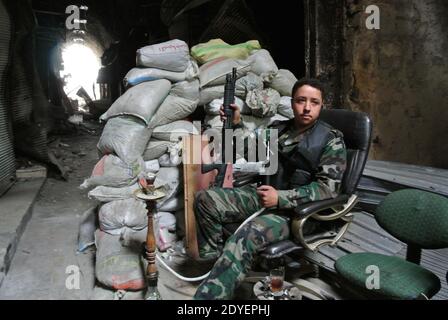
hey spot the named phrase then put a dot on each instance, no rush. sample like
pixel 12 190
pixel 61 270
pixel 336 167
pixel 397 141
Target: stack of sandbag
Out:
pixel 262 90
pixel 168 60
pixel 142 137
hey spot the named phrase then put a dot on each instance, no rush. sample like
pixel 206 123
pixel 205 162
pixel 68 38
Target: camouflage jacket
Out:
pixel 329 171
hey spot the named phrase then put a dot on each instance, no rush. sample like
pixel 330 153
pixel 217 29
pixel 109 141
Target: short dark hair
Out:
pixel 312 82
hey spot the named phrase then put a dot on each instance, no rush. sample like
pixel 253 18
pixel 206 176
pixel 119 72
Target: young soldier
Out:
pixel 312 160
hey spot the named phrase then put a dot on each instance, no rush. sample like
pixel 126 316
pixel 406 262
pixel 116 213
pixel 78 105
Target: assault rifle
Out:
pixel 224 169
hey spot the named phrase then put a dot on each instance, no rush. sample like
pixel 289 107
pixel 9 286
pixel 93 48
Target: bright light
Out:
pixel 80 69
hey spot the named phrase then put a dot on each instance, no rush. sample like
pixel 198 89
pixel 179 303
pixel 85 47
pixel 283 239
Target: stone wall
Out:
pixel 399 75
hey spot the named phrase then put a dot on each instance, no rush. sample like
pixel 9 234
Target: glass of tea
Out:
pixel 276 278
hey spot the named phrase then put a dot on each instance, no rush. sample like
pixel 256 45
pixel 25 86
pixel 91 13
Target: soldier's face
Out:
pixel 306 104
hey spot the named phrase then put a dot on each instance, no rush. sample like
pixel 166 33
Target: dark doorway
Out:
pixel 283 28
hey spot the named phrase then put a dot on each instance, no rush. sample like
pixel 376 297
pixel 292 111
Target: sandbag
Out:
pixel 87 227
pixel 173 157
pixel 262 64
pixel 152 166
pixel 243 85
pixel 250 122
pixel 263 103
pixel 248 83
pixel 118 215
pixel 139 75
pixel 127 137
pixel 156 148
pixel 100 293
pixel 216 48
pixel 132 238
pixel 175 131
pixel 112 171
pixel 186 89
pixel 172 205
pixel 107 194
pixel 214 72
pixel 172 55
pixel 166 230
pixel 284 108
pixel 283 82
pixel 213 107
pixel 180 103
pixel 141 101
pixel 164 224
pixel 118 267
pixel 208 94
pixel 171 180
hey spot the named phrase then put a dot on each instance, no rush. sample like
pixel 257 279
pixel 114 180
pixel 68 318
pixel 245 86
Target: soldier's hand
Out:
pixel 268 196
pixel 236 114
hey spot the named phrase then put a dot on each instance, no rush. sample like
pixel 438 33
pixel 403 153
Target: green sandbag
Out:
pixel 216 48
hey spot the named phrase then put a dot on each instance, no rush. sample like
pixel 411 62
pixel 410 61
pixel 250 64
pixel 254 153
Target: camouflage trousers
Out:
pixel 218 206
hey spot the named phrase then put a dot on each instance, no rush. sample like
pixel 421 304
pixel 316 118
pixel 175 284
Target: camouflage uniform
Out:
pixel 218 206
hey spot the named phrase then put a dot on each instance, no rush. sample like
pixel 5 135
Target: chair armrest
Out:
pixel 307 209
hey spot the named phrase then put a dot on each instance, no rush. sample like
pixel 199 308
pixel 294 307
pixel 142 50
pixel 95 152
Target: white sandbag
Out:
pixel 208 94
pixel 186 89
pixel 172 55
pixel 136 76
pixel 172 205
pixel 173 158
pixel 283 82
pixel 132 238
pixel 170 179
pixel 107 194
pixel 263 103
pixel 112 171
pixel 248 83
pixel 141 101
pixel 284 108
pixel 176 106
pixel 166 230
pixel 262 64
pixel 127 137
pixel 250 122
pixel 213 107
pixel 164 224
pixel 174 131
pixel 166 161
pixel 118 267
pixel 152 166
pixel 214 72
pixel 87 227
pixel 243 85
pixel 173 109
pixel 100 293
pixel 118 215
pixel 156 148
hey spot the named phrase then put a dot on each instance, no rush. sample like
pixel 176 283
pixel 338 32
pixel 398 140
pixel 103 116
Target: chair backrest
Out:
pixel 357 130
pixel 416 217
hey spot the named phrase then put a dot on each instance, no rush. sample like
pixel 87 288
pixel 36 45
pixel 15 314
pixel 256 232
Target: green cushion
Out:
pixel 415 217
pixel 398 278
